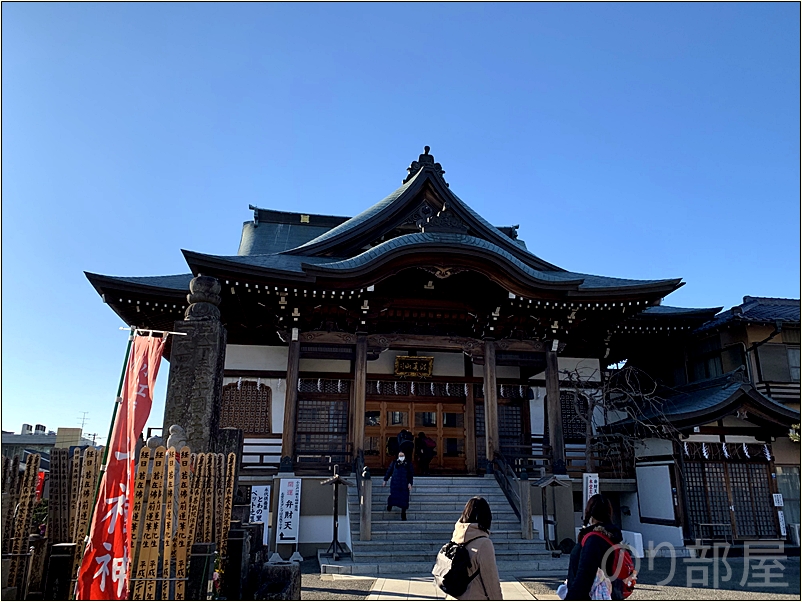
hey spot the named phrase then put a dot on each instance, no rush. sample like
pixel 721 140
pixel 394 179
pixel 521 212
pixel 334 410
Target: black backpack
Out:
pixel 451 571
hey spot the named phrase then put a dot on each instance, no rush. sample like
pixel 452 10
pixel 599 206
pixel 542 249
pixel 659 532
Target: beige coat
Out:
pixel 483 558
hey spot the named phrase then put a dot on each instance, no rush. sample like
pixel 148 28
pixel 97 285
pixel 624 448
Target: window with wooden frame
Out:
pixel 246 406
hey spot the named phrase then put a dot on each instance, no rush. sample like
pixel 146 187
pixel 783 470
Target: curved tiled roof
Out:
pixel 758 310
pixel 585 281
pixel 697 403
pixel 366 215
pixel 178 282
pixel 383 210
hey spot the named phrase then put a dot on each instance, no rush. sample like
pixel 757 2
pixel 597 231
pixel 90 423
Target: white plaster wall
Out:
pixel 318 529
pixel 255 357
pixel 385 364
pixel 501 371
pixel 447 364
pixel 785 451
pixel 653 535
pixel 654 489
pixel 278 389
pixel 537 414
pixel 319 365
pixel 653 447
pixel 588 368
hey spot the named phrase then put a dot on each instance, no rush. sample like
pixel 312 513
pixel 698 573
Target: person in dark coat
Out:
pixel 400 476
pixel 424 452
pixel 406 443
pixel 586 560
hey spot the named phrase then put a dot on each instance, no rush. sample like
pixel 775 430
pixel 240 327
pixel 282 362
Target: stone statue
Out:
pixel 154 442
pixel 177 438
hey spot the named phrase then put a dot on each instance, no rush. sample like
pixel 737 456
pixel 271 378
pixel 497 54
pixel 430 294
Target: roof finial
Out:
pixel 424 161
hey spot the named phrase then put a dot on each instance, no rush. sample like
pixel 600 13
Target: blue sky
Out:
pixel 631 140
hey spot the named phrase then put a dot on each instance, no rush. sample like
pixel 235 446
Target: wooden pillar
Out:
pixel 491 401
pixel 470 430
pixel 554 413
pixel 291 398
pixel 360 385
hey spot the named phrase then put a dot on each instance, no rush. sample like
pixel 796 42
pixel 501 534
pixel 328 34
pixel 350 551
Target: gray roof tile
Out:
pixel 757 310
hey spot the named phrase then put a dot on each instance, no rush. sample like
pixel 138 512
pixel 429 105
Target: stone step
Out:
pixel 411 546
pixel 427 524
pixel 433 536
pixel 454 503
pixel 424 569
pixel 448 516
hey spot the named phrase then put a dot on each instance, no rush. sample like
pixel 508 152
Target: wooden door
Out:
pixel 452 437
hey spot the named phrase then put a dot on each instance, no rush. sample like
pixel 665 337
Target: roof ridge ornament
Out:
pixel 424 161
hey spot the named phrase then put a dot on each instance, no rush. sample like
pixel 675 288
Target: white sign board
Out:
pixel 781 518
pixel 778 500
pixel 260 507
pixel 590 487
pixel 288 511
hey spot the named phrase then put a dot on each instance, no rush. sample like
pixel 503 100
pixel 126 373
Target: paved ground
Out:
pixel 331 587
pixel 783 582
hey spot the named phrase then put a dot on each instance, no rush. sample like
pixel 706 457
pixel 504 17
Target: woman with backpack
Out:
pixel 472 531
pixel 400 476
pixel 595 540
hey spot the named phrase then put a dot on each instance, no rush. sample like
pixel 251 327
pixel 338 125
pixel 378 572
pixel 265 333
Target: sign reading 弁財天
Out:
pixel 414 365
pixel 288 511
pixel 260 506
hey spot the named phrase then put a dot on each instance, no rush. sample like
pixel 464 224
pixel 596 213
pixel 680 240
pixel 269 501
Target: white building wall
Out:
pixel 385 364
pixel 587 368
pixel 256 357
pixel 319 365
pixel 501 371
pixel 447 364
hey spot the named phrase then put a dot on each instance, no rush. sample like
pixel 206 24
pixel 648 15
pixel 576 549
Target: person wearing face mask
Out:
pixel 400 476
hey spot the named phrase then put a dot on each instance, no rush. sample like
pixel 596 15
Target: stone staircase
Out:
pixel 410 547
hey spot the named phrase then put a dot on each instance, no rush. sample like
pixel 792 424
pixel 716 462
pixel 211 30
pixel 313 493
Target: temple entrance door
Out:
pixel 442 422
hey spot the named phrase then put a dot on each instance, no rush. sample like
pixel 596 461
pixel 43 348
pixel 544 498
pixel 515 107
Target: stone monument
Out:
pixel 195 385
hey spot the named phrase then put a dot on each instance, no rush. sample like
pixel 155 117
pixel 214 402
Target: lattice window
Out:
pixel 322 425
pixel 510 430
pixel 718 498
pixel 708 493
pixel 762 500
pixel 573 425
pixel 246 406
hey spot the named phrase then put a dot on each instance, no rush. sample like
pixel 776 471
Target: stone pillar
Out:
pixel 360 385
pixel 290 401
pixel 554 413
pixel 491 401
pixel 195 386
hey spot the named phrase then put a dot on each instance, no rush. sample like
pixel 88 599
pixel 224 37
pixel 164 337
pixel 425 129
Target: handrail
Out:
pixel 508 481
pixel 359 465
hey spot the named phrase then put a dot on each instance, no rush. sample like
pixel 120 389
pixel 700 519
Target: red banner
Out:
pixel 104 568
pixel 40 484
